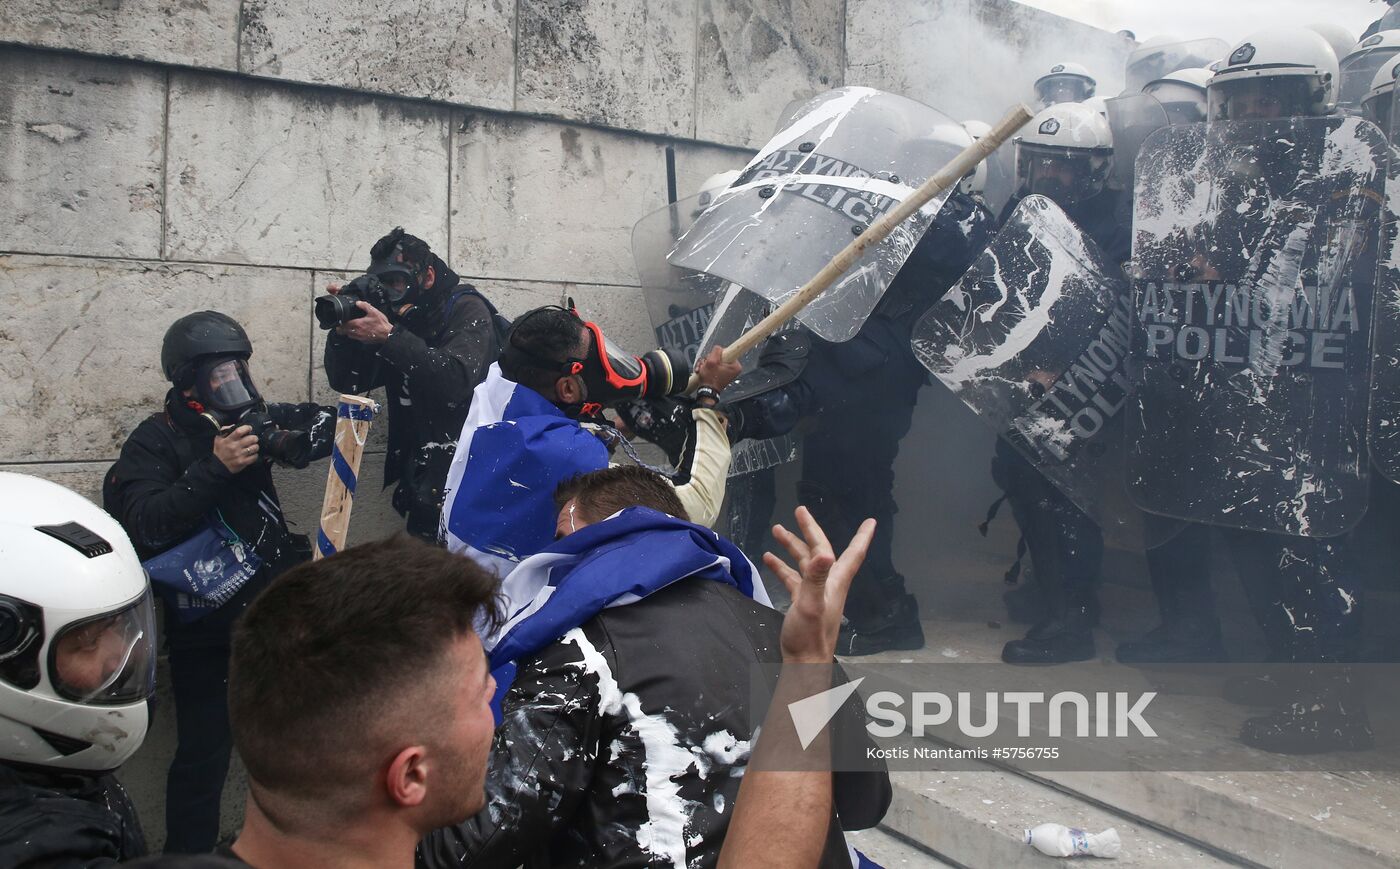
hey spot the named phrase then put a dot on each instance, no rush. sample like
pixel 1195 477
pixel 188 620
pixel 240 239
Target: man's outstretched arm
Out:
pixel 785 801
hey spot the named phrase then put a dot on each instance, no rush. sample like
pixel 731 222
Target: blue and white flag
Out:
pixel 612 563
pixel 515 449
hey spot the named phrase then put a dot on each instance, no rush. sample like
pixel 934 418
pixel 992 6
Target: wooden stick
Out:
pixel 968 160
pixel 355 414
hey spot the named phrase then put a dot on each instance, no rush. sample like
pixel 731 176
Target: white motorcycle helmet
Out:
pixel 1360 65
pixel 1182 94
pixel 974 183
pixel 1273 74
pixel 1065 83
pixel 1379 104
pixel 77 631
pixel 1067 154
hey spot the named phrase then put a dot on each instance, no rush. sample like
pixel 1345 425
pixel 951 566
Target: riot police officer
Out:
pixel 861 395
pixel 1302 590
pixel 1066 155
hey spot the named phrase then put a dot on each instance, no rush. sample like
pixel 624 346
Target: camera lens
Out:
pixel 331 311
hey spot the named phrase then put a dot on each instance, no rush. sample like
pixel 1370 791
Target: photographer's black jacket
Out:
pixel 624 744
pixel 167 481
pixel 429 368
pixel 65 820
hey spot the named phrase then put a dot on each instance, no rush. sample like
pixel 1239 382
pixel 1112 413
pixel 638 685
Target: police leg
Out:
pixel 1318 597
pixel 1190 629
pixel 848 472
pixel 1066 550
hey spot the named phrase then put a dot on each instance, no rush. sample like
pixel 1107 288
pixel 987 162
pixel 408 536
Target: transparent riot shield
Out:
pixel 1034 339
pixel 692 312
pixel 1132 118
pixel 1151 62
pixel 1385 372
pixel 1255 249
pixel 849 157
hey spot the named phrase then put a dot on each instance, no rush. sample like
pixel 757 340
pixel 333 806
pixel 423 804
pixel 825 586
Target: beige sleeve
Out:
pixel 704 494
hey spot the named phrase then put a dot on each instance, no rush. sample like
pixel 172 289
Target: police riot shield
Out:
pixel 1150 62
pixel 1132 118
pixel 1255 248
pixel 1385 373
pixel 846 159
pixel 692 311
pixel 1034 339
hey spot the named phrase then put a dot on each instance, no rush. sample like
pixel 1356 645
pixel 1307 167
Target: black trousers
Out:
pixel 1065 545
pixel 195 782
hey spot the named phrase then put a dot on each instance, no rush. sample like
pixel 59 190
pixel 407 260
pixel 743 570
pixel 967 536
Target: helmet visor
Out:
pixel 227 385
pixel 1061 174
pixel 108 658
pixel 1056 89
pixel 1358 71
pixel 1262 99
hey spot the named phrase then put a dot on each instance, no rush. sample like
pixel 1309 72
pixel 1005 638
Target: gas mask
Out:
pixel 610 374
pixel 227 397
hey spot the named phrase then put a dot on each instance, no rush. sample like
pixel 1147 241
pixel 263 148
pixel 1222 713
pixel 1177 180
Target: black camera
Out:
pixel 291 448
pixel 335 310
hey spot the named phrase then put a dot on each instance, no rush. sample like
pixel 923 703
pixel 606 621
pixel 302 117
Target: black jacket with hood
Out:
pixel 624 743
pixel 167 482
pixel 430 365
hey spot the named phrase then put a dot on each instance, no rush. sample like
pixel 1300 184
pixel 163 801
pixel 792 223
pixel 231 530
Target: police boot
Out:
pixel 1180 641
pixel 893 626
pixel 1056 640
pixel 1327 715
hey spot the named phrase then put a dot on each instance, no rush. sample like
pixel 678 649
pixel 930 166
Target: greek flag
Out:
pixel 515 449
pixel 612 563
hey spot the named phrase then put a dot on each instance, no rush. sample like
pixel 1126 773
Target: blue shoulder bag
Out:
pixel 205 571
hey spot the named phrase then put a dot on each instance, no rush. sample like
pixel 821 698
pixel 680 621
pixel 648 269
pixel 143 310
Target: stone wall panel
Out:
pixel 199 33
pixel 80 345
pixel 622 63
pixel 446 50
pixel 534 200
pixel 81 146
pixel 272 175
pixel 756 56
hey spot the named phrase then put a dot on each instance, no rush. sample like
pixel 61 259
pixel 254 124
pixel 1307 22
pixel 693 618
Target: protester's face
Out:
pixel 570 520
pixel 466 741
pixel 86 658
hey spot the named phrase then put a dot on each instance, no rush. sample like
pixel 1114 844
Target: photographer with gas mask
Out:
pixel 193 490
pixel 411 326
pixel 536 421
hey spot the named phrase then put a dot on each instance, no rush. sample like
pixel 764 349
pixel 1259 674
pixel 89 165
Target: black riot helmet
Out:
pixel 195 337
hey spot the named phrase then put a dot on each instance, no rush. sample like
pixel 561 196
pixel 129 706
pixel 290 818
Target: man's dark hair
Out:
pixel 415 250
pixel 549 334
pixel 340 661
pixel 599 494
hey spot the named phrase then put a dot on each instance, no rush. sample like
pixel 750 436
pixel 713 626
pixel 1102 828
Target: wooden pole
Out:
pixel 968 160
pixel 354 415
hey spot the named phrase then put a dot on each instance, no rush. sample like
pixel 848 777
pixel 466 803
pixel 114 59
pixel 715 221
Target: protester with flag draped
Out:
pixel 623 678
pixel 523 437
